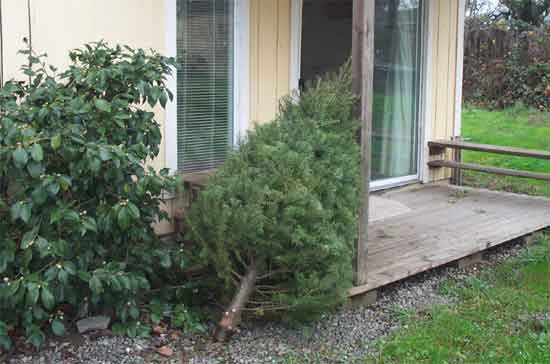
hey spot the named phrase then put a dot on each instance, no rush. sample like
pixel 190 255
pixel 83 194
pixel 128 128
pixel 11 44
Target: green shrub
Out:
pixel 287 200
pixel 77 204
pixel 516 71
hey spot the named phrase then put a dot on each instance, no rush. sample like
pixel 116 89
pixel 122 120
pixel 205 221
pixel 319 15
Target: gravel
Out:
pixel 343 336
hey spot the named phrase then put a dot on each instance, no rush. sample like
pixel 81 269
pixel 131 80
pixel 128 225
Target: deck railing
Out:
pixel 440 146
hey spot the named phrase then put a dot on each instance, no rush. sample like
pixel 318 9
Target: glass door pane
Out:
pixel 398 51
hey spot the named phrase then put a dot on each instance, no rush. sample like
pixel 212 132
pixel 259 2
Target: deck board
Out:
pixel 444 224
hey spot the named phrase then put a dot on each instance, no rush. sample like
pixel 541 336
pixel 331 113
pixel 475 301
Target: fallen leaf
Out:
pixel 175 335
pixel 159 330
pixel 165 351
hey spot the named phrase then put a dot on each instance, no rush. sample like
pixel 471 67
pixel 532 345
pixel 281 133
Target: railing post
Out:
pixel 456 175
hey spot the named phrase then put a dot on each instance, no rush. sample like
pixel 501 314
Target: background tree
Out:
pixel 526 12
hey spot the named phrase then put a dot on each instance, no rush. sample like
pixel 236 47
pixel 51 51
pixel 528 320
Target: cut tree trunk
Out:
pixel 232 317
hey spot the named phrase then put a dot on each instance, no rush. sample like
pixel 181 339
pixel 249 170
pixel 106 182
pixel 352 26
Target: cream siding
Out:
pixel 442 74
pixel 270 57
pixel 61 25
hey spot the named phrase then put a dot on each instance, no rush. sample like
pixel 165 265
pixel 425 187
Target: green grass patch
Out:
pixel 516 127
pixel 503 317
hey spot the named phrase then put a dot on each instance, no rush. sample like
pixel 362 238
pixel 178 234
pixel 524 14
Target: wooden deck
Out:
pixel 420 228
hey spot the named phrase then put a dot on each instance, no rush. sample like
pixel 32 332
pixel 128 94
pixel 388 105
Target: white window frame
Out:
pixel 241 82
pixel 296 45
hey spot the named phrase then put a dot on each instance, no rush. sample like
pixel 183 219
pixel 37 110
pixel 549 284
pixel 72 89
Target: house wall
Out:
pixel 61 25
pixel 441 86
pixel 270 57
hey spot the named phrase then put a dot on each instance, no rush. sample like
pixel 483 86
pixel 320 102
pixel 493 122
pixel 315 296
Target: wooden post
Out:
pixel 456 176
pixel 363 76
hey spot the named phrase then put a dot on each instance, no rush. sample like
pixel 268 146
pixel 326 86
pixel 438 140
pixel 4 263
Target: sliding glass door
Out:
pixel 326 45
pixel 397 90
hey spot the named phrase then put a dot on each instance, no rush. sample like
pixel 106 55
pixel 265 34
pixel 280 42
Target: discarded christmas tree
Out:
pixel 277 223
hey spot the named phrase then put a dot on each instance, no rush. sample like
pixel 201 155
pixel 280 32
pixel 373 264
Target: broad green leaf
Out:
pixel 25 212
pixel 89 224
pixel 6 257
pixel 63 276
pixel 134 312
pixel 64 182
pixel 95 165
pixel 165 260
pixel 123 218
pixel 95 285
pixel 134 211
pixel 53 188
pixel 163 99
pixel 56 142
pixel 104 154
pixel 51 274
pixel 20 157
pixel 36 337
pixel 70 268
pixel 103 105
pixel 5 342
pixel 48 300
pixel 37 153
pixel 29 238
pixel 35 169
pixel 32 294
pixel 39 195
pixel 156 318
pixel 84 276
pixel 15 210
pixel 58 328
pixel 42 245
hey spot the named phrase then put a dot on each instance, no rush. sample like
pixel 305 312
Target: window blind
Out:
pixel 205 82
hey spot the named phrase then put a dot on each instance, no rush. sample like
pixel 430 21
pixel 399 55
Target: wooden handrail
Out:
pixel 460 145
pixel 439 146
pixel 487 169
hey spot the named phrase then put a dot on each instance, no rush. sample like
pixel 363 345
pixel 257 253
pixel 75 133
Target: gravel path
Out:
pixel 340 337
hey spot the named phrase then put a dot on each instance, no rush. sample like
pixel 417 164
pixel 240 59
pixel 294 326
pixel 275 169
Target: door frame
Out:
pixel 295 74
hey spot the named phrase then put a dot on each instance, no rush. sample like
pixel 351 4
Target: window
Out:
pixel 205 56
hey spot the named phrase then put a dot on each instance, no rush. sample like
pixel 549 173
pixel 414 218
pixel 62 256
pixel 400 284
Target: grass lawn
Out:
pixel 518 127
pixel 503 317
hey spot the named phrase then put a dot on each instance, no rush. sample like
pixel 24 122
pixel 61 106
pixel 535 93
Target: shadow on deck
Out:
pixel 416 229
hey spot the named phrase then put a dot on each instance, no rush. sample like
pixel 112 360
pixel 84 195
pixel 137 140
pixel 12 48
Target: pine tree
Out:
pixel 278 221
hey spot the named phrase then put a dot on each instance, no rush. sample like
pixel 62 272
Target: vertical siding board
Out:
pixel 445 18
pixel 267 60
pixel 270 57
pixel 283 48
pixel 254 68
pixel 15 28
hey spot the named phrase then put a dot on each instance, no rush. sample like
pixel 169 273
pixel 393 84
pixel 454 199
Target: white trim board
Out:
pixel 428 112
pixel 296 45
pixel 459 67
pixel 171 124
pixel 241 75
